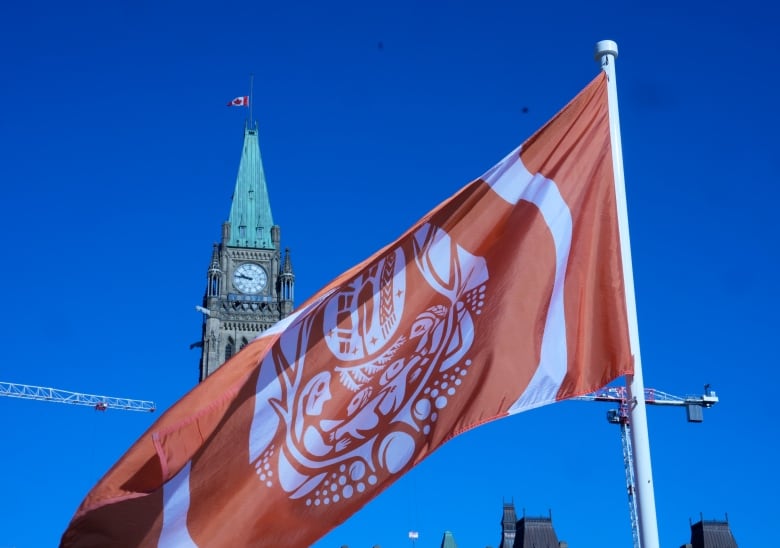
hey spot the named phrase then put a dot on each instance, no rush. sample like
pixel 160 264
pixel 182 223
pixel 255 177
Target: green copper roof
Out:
pixel 250 214
pixel 448 541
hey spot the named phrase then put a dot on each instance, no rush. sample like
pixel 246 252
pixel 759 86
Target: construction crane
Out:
pixel 620 416
pixel 99 403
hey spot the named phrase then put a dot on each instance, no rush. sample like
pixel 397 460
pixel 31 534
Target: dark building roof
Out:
pixel 508 526
pixel 528 532
pixel 711 534
pixel 536 533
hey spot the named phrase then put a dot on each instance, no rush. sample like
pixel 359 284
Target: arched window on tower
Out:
pixel 244 342
pixel 229 349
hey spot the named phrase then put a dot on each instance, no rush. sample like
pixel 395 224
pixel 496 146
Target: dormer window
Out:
pixel 242 231
pixel 259 232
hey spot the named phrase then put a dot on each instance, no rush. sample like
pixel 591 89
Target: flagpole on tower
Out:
pixel 251 98
pixel 606 52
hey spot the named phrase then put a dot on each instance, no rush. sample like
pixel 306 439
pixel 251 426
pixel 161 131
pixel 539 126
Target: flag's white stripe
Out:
pixel 176 503
pixel 513 182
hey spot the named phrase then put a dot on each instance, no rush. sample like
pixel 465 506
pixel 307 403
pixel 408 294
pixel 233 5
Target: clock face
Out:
pixel 250 278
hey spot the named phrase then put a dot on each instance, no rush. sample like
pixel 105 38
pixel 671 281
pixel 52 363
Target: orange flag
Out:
pixel 507 296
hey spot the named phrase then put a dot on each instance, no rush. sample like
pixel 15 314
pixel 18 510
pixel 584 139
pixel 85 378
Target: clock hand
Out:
pixel 244 276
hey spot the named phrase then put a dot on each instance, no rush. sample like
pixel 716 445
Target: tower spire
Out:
pixel 250 220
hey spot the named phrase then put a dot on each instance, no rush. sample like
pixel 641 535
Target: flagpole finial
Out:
pixel 605 47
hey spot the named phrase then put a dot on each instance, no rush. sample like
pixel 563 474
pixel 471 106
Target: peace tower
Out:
pixel 249 282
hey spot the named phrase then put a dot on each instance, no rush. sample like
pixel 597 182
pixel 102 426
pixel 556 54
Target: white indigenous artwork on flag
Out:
pixel 398 376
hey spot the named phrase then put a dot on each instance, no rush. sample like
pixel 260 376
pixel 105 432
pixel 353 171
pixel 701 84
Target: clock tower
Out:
pixel 249 281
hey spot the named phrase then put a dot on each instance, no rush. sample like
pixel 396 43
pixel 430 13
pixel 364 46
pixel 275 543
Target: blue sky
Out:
pixel 118 158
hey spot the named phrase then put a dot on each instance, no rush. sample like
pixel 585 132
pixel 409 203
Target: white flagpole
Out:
pixel 606 52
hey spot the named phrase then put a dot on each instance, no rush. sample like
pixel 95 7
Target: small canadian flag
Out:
pixel 239 102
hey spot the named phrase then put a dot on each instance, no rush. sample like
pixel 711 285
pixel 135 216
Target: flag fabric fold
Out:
pixel 239 102
pixel 507 296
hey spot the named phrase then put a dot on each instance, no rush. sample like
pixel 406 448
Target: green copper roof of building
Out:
pixel 250 214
